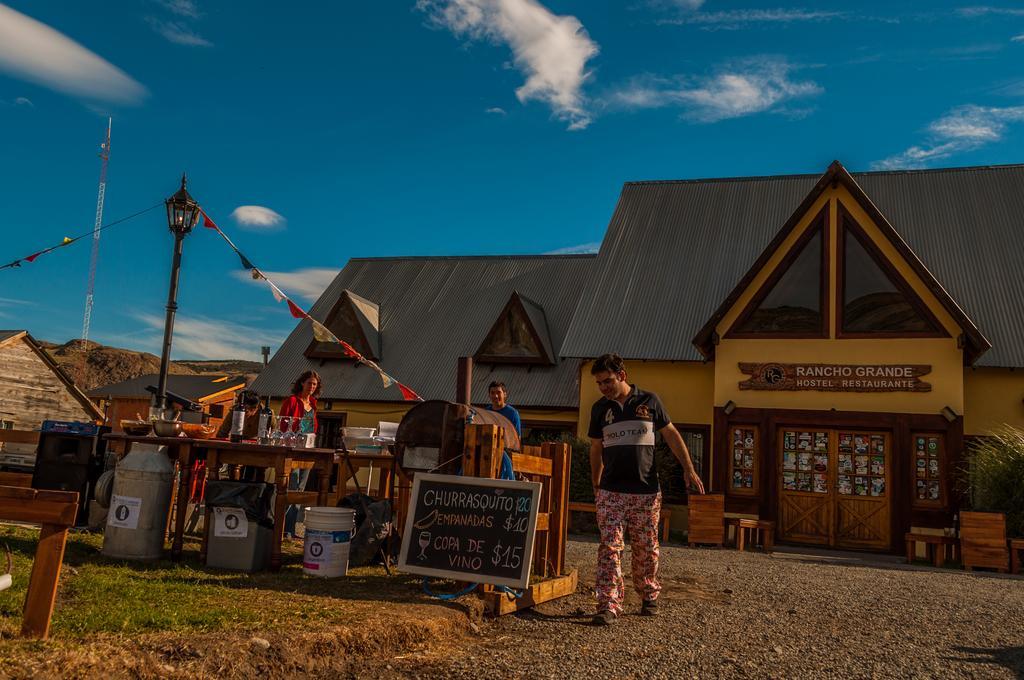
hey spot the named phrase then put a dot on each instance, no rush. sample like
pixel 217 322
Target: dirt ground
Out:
pixel 724 614
pixel 730 614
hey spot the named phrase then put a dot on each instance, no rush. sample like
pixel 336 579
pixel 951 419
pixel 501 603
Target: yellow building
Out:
pixel 830 342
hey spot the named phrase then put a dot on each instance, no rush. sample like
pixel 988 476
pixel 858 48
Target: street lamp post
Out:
pixel 182 215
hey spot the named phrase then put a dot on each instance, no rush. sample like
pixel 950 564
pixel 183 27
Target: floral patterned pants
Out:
pixel 640 514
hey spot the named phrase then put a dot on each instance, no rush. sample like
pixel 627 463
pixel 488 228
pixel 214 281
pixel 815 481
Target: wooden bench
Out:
pixel 55 511
pixel 754 530
pixel 938 549
pixel 1016 546
pixel 983 540
pixel 666 516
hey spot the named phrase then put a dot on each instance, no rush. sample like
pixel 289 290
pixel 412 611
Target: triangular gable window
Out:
pixel 875 298
pixel 355 320
pixel 793 301
pixel 520 335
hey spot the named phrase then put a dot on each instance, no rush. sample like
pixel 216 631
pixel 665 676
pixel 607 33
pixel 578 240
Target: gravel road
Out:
pixel 731 614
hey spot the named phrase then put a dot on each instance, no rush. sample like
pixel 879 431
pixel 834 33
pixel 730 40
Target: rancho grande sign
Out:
pixel 835 377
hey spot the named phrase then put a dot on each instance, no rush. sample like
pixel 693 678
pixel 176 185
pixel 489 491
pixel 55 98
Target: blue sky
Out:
pixel 316 132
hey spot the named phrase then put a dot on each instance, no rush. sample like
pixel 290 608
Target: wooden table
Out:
pixel 385 461
pixel 937 547
pixel 281 459
pixel 754 529
pixel 181 451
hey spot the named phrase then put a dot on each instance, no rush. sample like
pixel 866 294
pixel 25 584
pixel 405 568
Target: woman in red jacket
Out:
pixel 302 406
pixel 302 402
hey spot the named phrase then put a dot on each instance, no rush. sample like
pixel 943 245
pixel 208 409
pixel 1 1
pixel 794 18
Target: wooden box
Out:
pixel 706 519
pixel 983 540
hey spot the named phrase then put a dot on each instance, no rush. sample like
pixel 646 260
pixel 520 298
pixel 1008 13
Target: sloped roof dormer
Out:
pixel 519 335
pixel 355 320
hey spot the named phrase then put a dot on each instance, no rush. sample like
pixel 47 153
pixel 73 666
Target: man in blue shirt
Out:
pixel 498 395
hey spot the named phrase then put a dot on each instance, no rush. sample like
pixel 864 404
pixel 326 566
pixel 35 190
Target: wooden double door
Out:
pixel 834 487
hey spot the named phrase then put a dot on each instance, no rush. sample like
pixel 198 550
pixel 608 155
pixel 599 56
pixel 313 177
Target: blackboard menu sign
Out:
pixel 471 529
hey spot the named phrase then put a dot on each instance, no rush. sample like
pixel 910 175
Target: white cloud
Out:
pixel 1018 38
pixel 581 249
pixel 676 4
pixel 257 217
pixel 737 18
pixel 746 88
pixel 496 110
pixel 24 101
pixel 551 51
pixel 965 128
pixel 983 11
pixel 184 8
pixel 178 33
pixel 308 283
pixel 201 337
pixel 33 51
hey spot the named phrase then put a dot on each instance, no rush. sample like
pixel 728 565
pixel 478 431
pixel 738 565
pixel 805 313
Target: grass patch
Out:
pixel 100 595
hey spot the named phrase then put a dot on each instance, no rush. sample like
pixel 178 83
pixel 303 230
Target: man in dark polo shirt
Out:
pixel 626 488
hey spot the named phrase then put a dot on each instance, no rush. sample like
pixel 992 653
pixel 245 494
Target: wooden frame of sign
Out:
pixel 487 529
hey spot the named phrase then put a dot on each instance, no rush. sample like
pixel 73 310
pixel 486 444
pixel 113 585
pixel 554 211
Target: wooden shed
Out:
pixel 33 388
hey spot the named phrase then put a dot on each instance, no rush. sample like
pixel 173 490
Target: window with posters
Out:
pixel 743 460
pixel 928 465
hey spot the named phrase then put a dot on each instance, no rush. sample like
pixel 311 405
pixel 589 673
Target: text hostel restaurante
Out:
pixel 827 345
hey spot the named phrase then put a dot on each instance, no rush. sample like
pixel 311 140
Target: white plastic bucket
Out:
pixel 328 536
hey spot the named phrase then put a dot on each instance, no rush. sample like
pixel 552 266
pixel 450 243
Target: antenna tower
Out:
pixel 104 157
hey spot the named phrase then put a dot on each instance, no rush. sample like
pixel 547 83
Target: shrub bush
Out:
pixel 995 474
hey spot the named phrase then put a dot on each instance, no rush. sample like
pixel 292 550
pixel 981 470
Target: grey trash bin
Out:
pixel 241 526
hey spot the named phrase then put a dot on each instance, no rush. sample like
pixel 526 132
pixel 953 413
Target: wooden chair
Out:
pixel 983 540
pixel 1016 547
pixel 706 519
pixel 55 511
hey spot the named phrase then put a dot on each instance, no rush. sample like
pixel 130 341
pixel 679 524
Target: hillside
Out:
pixel 100 365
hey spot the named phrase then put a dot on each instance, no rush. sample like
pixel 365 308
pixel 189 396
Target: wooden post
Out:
pixel 559 525
pixel 464 381
pixel 491 439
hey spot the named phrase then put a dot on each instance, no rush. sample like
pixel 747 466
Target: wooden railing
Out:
pixel 55 511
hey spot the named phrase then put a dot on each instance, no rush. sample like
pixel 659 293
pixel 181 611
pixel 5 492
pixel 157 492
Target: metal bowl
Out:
pixel 167 428
pixel 137 428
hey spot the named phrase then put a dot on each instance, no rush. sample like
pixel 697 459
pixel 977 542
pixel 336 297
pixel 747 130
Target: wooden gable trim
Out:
pixel 226 390
pixel 847 222
pixel 78 394
pixel 819 225
pixel 973 342
pixel 13 339
pixel 515 302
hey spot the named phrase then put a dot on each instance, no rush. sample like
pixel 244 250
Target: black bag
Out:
pixel 255 498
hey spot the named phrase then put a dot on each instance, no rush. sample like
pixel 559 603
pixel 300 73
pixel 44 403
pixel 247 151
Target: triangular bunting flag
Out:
pixel 207 222
pixel 321 332
pixel 387 380
pixel 408 394
pixel 278 295
pixel 33 256
pixel 257 274
pixel 67 241
pixel 296 310
pixel 350 351
pixel 245 261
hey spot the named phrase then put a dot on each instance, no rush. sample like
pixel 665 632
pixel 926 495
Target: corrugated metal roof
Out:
pixel 675 249
pixel 193 387
pixel 432 311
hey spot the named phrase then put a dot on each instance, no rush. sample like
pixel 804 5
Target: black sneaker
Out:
pixel 649 608
pixel 605 617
